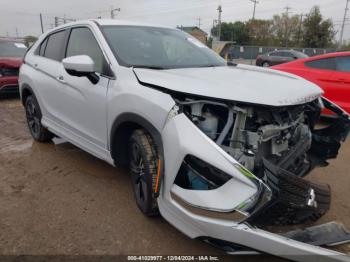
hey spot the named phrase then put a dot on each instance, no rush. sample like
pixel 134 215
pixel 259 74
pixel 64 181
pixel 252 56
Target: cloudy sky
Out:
pixel 24 14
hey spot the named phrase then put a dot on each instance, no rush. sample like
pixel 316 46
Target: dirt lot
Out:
pixel 57 199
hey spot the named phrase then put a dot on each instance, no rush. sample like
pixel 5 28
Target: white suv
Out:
pixel 216 148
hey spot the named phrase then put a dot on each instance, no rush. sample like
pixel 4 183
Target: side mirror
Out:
pixel 81 66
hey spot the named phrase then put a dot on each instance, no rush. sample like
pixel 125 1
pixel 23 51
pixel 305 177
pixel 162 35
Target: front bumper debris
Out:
pixel 295 200
pixel 240 235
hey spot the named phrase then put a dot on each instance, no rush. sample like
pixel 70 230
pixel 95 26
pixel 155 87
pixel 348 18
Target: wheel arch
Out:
pixel 122 129
pixel 26 91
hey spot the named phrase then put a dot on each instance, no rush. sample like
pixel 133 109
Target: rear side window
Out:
pixel 83 42
pixel 325 63
pixel 55 46
pixel 343 63
pixel 288 54
pixel 42 47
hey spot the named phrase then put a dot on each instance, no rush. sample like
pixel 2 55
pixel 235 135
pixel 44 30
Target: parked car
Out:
pixel 278 57
pixel 11 56
pixel 330 71
pixel 216 149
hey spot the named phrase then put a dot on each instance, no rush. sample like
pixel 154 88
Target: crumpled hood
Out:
pixel 237 83
pixel 10 62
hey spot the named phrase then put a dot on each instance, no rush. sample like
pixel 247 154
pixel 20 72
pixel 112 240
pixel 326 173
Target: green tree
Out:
pixel 317 32
pixel 235 32
pixel 286 30
pixel 261 31
pixel 29 40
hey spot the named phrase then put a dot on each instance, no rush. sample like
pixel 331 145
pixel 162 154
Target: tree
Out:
pixel 286 30
pixel 29 40
pixel 235 32
pixel 318 33
pixel 261 31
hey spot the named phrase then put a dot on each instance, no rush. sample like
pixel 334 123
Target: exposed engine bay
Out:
pixel 280 145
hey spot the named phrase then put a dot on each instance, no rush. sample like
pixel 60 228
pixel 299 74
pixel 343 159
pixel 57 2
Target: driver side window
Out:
pixel 82 42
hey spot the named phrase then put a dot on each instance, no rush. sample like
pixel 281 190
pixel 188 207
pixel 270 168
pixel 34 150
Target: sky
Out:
pixel 22 16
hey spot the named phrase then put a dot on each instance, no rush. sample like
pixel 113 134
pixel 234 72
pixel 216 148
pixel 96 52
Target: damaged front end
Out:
pixel 279 146
pixel 231 167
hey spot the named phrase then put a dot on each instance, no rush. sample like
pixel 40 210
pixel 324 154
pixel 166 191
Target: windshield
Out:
pixel 158 48
pixel 12 49
pixel 300 55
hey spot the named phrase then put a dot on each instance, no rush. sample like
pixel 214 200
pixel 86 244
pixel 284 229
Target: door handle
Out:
pixel 61 79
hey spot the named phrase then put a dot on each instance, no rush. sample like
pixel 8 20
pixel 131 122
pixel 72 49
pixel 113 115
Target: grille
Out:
pixel 9 71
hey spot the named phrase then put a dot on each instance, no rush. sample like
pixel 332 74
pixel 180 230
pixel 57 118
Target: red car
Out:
pixel 330 71
pixel 11 57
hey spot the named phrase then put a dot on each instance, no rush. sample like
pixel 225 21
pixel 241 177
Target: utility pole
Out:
pixel 113 10
pixel 219 21
pixel 214 24
pixel 17 32
pixel 56 21
pixel 41 23
pixel 343 24
pixel 253 18
pixel 286 31
pixel 299 30
pixel 255 2
pixel 199 22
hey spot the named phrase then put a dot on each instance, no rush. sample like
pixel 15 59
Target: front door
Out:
pixel 84 105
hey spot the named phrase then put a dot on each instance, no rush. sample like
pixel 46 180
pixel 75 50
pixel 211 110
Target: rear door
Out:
pixel 287 56
pixel 323 73
pixel 84 105
pixel 277 58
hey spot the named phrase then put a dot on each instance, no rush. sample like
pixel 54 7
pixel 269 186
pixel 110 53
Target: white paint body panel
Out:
pixel 242 83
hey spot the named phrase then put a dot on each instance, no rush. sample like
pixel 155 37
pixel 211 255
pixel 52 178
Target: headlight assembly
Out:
pixel 197 175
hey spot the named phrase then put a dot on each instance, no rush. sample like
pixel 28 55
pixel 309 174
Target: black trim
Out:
pixel 119 138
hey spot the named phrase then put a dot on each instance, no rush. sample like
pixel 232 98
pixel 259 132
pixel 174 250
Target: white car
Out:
pixel 217 149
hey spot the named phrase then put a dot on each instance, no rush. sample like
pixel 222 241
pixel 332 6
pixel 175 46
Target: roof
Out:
pixel 334 54
pixel 105 22
pixel 125 22
pixel 189 29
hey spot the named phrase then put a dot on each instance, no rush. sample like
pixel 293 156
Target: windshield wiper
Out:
pixel 149 67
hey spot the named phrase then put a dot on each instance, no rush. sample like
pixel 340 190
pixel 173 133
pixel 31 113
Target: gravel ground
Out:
pixel 57 199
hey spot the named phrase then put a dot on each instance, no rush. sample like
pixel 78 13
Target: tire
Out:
pixel 266 64
pixel 143 159
pixel 34 116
